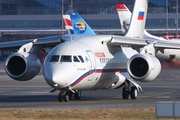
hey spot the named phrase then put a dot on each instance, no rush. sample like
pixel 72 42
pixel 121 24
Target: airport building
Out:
pixel 25 19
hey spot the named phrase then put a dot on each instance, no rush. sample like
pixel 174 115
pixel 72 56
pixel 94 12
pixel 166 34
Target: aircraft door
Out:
pixel 92 64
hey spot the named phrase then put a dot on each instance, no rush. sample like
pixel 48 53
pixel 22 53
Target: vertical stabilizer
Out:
pixel 124 17
pixel 79 25
pixel 137 25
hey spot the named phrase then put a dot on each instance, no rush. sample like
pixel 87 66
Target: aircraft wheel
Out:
pixel 66 97
pixel 134 93
pixel 60 98
pixel 70 95
pixel 77 95
pixel 125 93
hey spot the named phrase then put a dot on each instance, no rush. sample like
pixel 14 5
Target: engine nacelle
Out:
pixel 22 66
pixel 143 67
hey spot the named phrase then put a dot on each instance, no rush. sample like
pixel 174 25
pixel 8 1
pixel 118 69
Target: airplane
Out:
pixel 124 15
pixel 106 64
pixel 91 62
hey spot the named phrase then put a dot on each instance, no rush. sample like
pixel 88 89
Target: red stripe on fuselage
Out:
pixel 96 71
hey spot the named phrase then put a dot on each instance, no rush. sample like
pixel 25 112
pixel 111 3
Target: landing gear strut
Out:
pixel 77 95
pixel 63 95
pixel 67 95
pixel 128 90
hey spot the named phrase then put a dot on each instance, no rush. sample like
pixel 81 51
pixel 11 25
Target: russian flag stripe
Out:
pixel 141 15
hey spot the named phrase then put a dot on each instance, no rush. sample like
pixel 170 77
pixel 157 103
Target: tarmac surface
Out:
pixel 35 94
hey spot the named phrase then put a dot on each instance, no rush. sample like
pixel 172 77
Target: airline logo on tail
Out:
pixel 124 17
pixel 75 24
pixel 80 27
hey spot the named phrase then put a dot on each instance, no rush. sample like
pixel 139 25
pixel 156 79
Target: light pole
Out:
pixel 177 19
pixel 72 5
pixel 62 6
pixel 166 17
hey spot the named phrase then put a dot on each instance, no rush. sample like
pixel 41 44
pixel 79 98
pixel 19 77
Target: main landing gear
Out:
pixel 128 90
pixel 67 95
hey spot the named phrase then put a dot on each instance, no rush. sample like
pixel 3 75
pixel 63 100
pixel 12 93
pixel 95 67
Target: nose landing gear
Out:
pixel 67 95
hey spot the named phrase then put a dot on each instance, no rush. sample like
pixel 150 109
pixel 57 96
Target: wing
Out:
pixel 54 40
pixel 133 42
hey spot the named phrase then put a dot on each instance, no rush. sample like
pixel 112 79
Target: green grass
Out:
pixel 80 114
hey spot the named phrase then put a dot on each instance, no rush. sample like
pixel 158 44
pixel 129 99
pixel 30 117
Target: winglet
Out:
pixel 137 25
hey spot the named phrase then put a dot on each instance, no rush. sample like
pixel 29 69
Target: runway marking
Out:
pixel 158 95
pixel 166 93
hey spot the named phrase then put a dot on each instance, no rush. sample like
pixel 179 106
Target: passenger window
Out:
pixel 81 58
pixel 75 59
pixel 54 58
pixel 66 58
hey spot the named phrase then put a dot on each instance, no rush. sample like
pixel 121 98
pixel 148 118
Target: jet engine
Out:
pixel 22 66
pixel 143 67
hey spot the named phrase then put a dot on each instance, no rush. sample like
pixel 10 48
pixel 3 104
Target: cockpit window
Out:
pixel 81 58
pixel 54 58
pixel 66 58
pixel 75 59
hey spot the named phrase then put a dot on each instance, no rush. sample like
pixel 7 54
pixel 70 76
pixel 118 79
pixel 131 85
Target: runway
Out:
pixel 35 94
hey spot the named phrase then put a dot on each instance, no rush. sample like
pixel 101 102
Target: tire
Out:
pixel 77 95
pixel 134 93
pixel 125 93
pixel 70 95
pixel 60 98
pixel 66 97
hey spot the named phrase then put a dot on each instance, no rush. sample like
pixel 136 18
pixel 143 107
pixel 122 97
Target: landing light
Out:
pixel 56 85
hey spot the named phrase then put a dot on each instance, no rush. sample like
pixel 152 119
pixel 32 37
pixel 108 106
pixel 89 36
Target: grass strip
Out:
pixel 81 114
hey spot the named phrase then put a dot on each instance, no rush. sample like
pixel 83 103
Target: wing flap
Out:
pixel 175 44
pixel 48 40
pixel 116 40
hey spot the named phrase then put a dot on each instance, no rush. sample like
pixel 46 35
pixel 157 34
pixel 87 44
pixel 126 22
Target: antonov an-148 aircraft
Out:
pixel 91 62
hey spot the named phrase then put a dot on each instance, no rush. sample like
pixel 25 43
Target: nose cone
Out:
pixel 55 76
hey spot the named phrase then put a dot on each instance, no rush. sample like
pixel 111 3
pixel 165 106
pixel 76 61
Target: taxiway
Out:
pixel 35 94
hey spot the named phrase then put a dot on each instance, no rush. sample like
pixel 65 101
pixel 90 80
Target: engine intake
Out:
pixel 22 66
pixel 143 67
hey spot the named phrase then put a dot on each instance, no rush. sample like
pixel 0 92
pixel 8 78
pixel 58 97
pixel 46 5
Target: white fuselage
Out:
pixel 101 68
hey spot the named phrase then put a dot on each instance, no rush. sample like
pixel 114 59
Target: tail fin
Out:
pixel 125 16
pixel 137 25
pixel 77 25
